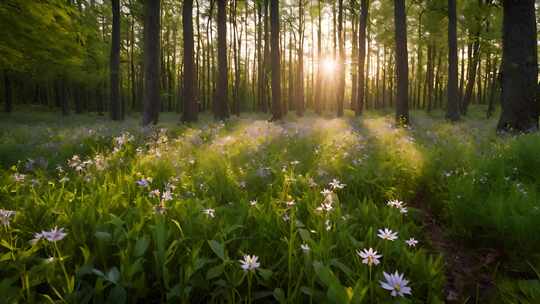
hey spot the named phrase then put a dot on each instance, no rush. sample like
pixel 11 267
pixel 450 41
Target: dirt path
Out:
pixel 468 272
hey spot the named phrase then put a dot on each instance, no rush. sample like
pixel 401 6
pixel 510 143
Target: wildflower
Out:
pixel 387 234
pixel 209 212
pixel 328 225
pixel 396 283
pixel 305 248
pixel 160 208
pixel 290 203
pixel 403 210
pixel 37 236
pixel 64 179
pixel 286 217
pixel 167 196
pixel 411 242
pixel 336 184
pixel 326 192
pixel 253 202
pixel 242 184
pixel 5 217
pixel 19 178
pixel 54 234
pixel 395 204
pixel 250 262
pixel 369 256
pixel 155 193
pixel 143 182
pixel 295 162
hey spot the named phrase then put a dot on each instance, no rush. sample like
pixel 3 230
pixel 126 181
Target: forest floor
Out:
pixel 166 213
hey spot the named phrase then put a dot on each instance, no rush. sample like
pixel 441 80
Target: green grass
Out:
pixel 120 248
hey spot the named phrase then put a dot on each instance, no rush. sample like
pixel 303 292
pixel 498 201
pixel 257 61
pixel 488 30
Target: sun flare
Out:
pixel 329 65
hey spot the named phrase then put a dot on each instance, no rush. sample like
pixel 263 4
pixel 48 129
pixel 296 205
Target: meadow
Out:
pixel 308 210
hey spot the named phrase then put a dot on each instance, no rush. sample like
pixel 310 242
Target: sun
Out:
pixel 329 65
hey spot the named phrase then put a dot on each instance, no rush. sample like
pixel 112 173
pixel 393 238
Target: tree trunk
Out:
pixel 221 100
pixel 452 110
pixel 520 108
pixel 361 55
pixel 115 61
pixel 300 68
pixel 190 103
pixel 472 73
pixel 319 59
pixel 151 61
pixel 402 69
pixel 276 65
pixel 341 61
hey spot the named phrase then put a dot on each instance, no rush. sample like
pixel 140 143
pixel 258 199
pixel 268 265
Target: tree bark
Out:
pixel 402 68
pixel 519 102
pixel 300 68
pixel 151 61
pixel 452 110
pixel 364 6
pixel 276 65
pixel 341 61
pixel 221 100
pixel 190 103
pixel 115 62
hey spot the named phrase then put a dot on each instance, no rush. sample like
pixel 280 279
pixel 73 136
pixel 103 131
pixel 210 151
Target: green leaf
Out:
pixel 279 295
pixel 113 275
pixel 215 271
pixel 141 246
pixel 217 248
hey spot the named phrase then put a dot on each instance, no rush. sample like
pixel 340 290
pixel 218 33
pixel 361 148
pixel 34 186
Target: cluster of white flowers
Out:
pixel 122 140
pixel 402 207
pixel 5 217
pixel 327 204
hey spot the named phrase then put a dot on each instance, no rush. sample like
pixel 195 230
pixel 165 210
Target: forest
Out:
pixel 267 151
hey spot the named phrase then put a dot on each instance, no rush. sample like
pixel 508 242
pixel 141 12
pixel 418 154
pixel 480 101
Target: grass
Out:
pixel 249 187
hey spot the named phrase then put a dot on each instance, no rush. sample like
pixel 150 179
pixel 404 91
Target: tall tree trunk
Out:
pixel 473 66
pixel 402 68
pixel 190 103
pixel 364 6
pixel 452 110
pixel 221 100
pixel 341 61
pixel 319 63
pixel 520 108
pixel 300 68
pixel 115 62
pixel 276 65
pixel 354 70
pixel 151 61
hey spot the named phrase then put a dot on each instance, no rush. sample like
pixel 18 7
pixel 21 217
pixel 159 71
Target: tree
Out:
pixel 221 106
pixel 276 58
pixel 364 6
pixel 115 62
pixel 452 111
pixel 520 108
pixel 402 68
pixel 300 74
pixel 190 104
pixel 341 61
pixel 151 61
